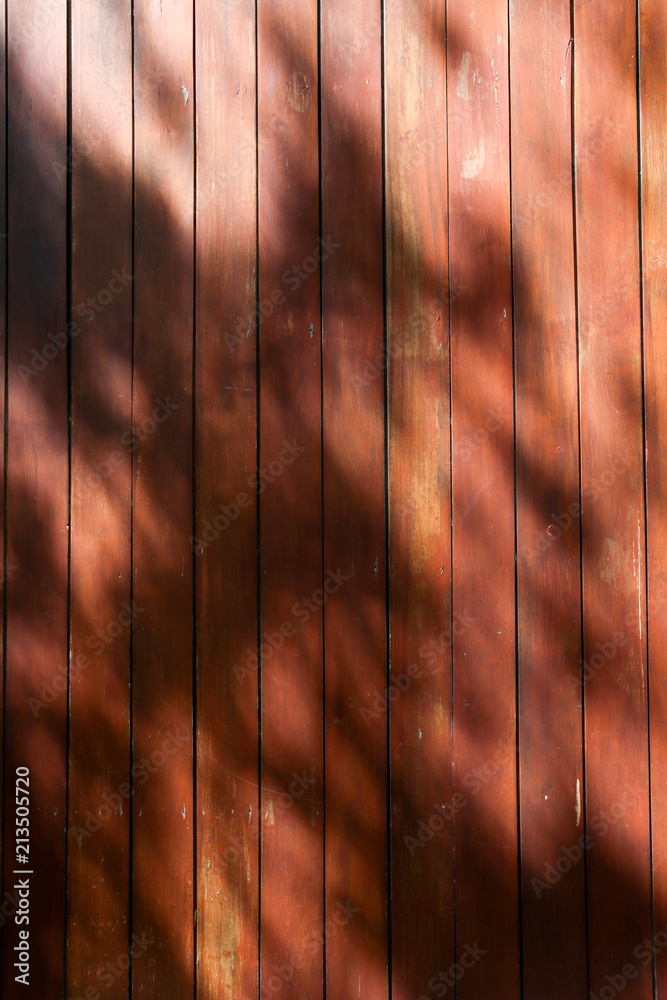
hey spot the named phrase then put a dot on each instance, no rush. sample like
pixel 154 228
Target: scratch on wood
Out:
pixel 462 82
pixel 578 802
pixel 563 76
pixel 567 53
pixel 495 84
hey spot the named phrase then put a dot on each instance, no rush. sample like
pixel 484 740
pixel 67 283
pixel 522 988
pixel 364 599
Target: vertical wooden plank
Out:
pixel 483 577
pixel 100 165
pixel 354 508
pixel 653 65
pixel 422 889
pixel 619 908
pixel 290 505
pixel 228 820
pixel 37 484
pixel 163 848
pixel 547 463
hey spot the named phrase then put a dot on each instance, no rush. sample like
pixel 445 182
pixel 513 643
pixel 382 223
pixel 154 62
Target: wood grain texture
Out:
pixel 485 763
pixel 163 863
pixel 333 649
pixel 290 484
pixel 422 896
pixel 100 165
pixel 354 509
pixel 653 39
pixel 613 542
pixel 547 463
pixel 228 822
pixel 37 485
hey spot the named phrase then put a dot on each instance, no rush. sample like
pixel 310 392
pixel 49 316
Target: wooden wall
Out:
pixel 334 380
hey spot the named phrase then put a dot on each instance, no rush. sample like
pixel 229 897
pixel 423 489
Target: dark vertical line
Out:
pixel 642 314
pixel 5 474
pixel 451 484
pixel 582 620
pixel 387 553
pixel 322 508
pixel 195 811
pixel 5 531
pixel 517 684
pixel 130 921
pixel 70 390
pixel 258 368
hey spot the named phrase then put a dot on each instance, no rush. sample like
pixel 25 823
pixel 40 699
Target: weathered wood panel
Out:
pixel 355 664
pixel 101 463
pixel 547 489
pixel 484 623
pixel 228 817
pixel 419 491
pixel 290 506
pixel 163 897
pixel 37 487
pixel 612 485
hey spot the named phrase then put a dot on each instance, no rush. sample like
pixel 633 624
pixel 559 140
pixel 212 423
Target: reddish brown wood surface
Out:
pixel 417 361
pixel 163 897
pixel 355 665
pixel 547 463
pixel 653 39
pixel 37 488
pixel 228 819
pixel 100 567
pixel 613 543
pixel 290 504
pixel 370 301
pixel 483 633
